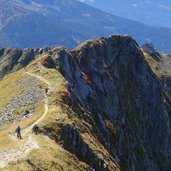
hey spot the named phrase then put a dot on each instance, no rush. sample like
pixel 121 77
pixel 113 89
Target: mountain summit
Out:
pixel 39 23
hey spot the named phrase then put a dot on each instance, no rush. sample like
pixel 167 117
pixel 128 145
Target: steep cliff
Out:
pixel 110 80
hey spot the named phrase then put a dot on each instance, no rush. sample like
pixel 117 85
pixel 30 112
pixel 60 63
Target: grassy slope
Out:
pixel 160 67
pixel 155 65
pixel 8 90
pixel 50 155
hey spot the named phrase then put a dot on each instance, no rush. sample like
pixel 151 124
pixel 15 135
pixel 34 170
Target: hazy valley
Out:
pixel 100 105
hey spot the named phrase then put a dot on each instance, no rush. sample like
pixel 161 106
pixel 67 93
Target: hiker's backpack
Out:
pixel 17 129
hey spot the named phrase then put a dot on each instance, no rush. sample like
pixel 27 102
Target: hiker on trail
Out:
pixel 46 91
pixel 18 131
pixel 35 129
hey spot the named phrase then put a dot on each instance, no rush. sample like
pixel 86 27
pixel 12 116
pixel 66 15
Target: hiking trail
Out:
pixel 30 143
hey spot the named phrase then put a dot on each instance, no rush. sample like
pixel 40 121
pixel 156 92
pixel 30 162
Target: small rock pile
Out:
pixel 26 100
pixel 26 81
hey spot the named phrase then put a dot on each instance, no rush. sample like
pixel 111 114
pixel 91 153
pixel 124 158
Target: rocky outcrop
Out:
pixel 14 59
pixel 110 79
pixel 149 48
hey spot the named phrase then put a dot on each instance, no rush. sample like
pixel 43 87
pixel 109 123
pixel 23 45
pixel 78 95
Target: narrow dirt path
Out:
pixel 26 130
pixel 40 78
pixel 19 152
pixel 29 142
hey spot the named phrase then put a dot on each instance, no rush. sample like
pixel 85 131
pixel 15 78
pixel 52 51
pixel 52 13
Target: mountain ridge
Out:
pixel 106 104
pixel 68 23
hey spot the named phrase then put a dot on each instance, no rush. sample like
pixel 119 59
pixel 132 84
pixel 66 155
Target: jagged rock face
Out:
pixel 15 59
pixel 149 48
pixel 74 142
pixel 110 78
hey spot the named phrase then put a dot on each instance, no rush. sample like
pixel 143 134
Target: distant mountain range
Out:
pixel 151 12
pixel 39 23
